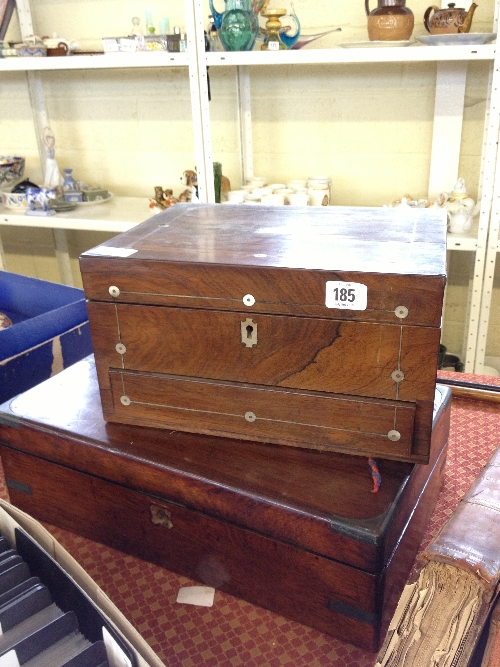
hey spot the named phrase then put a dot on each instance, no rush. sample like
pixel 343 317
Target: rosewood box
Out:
pixel 314 327
pixel 297 531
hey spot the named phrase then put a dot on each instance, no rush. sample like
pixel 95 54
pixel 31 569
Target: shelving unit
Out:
pixel 451 69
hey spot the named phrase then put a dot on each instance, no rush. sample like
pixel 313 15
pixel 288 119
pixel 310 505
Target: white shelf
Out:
pixel 97 61
pixel 466 241
pixel 118 215
pixel 359 55
pixel 123 213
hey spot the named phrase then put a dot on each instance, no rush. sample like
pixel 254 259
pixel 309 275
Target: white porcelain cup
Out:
pixel 276 186
pixel 236 196
pixel 298 199
pixel 319 197
pixel 320 183
pixel 260 192
pixel 252 198
pixel 257 181
pixel 296 184
pixel 273 200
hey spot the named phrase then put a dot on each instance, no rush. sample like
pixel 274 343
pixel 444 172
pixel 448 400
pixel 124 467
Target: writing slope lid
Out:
pixel 400 240
pixel 212 256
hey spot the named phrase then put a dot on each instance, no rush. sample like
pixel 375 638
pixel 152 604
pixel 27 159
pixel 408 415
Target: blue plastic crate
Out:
pixel 49 331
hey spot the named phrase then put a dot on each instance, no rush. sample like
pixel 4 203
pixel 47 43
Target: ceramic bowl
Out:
pixel 11 170
pixel 15 200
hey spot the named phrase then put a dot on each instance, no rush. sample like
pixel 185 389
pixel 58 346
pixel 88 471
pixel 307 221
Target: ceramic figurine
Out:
pixel 460 207
pixel 136 30
pixel 163 199
pixel 448 21
pixel 72 191
pixel 190 179
pixel 53 178
pixel 38 201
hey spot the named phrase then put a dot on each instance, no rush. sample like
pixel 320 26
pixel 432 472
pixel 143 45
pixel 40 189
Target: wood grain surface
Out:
pixel 214 509
pixel 209 256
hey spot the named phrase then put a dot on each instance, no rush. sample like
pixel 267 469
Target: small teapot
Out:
pixel 448 21
pixel 460 207
pixel 59 46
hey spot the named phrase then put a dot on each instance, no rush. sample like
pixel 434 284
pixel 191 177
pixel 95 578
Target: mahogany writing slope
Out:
pixel 297 531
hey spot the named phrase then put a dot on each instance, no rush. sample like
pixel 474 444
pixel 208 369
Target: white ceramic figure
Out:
pixel 460 207
pixel 53 178
pixel 136 30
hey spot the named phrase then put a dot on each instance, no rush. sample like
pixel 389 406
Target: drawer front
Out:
pixel 301 419
pixel 295 583
pixel 343 357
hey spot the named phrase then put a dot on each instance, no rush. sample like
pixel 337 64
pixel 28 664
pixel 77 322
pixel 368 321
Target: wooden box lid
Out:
pixel 278 260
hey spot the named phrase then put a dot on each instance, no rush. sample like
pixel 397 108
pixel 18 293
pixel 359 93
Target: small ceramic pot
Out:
pixel 319 197
pixel 298 199
pixel 459 223
pixel 296 184
pixel 273 200
pixel 33 50
pixel 236 196
pixel 15 200
pixel 61 49
pixel 260 192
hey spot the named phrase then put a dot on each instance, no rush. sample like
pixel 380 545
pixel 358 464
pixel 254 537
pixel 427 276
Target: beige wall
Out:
pixel 368 127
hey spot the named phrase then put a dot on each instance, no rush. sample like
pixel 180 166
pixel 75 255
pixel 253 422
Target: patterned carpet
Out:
pixel 233 632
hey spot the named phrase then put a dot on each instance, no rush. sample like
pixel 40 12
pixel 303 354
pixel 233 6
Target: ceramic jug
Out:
pixel 448 21
pixel 390 21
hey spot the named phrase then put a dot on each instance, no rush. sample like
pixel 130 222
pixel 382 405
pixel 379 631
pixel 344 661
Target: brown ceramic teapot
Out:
pixel 391 20
pixel 447 21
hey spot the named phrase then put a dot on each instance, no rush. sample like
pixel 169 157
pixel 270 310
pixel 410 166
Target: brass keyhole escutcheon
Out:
pixel 160 516
pixel 249 332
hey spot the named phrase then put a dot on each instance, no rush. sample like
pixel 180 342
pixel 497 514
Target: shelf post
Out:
pixel 245 122
pixel 198 82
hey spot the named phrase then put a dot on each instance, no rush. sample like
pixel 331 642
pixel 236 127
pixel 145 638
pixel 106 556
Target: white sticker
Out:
pixel 108 251
pixel 116 657
pixel 352 296
pixel 110 44
pixel 128 45
pixel 203 596
pixel 273 46
pixel 9 659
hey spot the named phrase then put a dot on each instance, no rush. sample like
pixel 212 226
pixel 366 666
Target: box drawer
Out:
pixel 303 419
pixel 343 357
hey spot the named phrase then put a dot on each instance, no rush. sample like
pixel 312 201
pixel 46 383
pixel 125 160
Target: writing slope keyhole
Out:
pixel 249 332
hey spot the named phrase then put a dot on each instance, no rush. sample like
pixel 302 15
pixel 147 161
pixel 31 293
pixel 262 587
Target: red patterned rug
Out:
pixel 233 632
